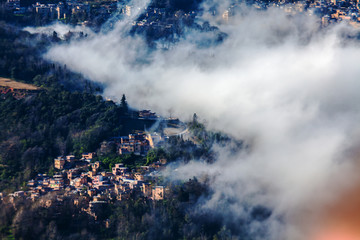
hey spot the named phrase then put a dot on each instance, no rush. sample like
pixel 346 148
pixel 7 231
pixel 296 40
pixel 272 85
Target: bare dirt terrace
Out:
pixel 8 83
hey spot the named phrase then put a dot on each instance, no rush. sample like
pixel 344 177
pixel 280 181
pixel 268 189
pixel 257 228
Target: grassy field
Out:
pixel 6 82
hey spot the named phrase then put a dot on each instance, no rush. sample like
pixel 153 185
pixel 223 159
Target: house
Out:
pixel 19 194
pixel 59 163
pixel 147 114
pixel 121 187
pixel 62 162
pixel 71 174
pixel 34 196
pixel 91 174
pixel 123 150
pixel 57 182
pixel 158 193
pixel 119 169
pixel 98 179
pixel 70 158
pixel 146 189
pixel 154 139
pixel 78 182
pixel 91 192
pixel 88 156
pixel 60 11
pixel 123 195
pixel 134 143
pixel 95 166
pixel 139 176
pixel 31 183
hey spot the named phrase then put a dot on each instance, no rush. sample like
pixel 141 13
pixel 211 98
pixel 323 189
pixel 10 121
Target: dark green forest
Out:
pixel 21 59
pixel 38 128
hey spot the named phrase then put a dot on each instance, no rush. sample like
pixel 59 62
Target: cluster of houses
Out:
pixel 139 143
pixel 157 18
pixel 70 161
pixel 91 187
pixel 55 11
pixel 61 10
pixel 329 11
pixel 161 21
pixel 134 143
pixel 147 114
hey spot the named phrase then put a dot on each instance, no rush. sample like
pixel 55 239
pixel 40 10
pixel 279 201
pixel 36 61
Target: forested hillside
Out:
pixel 38 128
pixel 67 115
pixel 21 59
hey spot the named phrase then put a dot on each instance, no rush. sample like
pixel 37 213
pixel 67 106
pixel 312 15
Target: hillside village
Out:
pixel 71 187
pixel 74 165
pixel 90 183
pixel 93 186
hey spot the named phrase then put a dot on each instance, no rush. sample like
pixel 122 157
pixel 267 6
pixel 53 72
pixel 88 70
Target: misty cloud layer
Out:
pixel 59 28
pixel 287 87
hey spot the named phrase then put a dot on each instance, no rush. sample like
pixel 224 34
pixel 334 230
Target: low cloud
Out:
pixel 60 29
pixel 281 83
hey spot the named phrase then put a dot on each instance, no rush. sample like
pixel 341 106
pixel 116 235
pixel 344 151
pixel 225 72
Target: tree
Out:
pixel 154 155
pixel 124 104
pixel 13 72
pixel 55 37
pixel 195 119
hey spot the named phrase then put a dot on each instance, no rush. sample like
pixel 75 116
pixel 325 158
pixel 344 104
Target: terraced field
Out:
pixel 8 83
